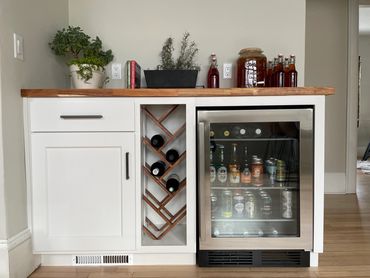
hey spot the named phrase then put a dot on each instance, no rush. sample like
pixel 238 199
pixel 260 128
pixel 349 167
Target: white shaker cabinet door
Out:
pixel 83 191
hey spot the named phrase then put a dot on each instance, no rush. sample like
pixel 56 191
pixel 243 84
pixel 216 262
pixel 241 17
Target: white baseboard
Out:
pixel 314 259
pixel 137 259
pixel 16 256
pixel 4 262
pixel 335 183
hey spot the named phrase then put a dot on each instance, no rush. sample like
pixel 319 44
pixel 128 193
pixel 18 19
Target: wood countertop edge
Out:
pixel 192 92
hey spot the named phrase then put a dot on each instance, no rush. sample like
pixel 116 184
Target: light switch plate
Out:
pixel 116 71
pixel 227 70
pixel 18 47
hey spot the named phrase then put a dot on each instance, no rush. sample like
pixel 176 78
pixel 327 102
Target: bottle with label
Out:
pixel 265 204
pixel 173 183
pixel 212 168
pixel 221 169
pixel 157 141
pixel 292 74
pixel 250 205
pixel 158 168
pixel 213 74
pixel 238 201
pixel 234 166
pixel 279 72
pixel 172 155
pixel 245 176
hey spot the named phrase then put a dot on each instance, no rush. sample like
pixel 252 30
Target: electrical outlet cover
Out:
pixel 116 71
pixel 227 70
pixel 18 47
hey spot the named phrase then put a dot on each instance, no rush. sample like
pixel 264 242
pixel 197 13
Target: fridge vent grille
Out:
pixel 102 260
pixel 278 258
pixel 266 258
pixel 230 258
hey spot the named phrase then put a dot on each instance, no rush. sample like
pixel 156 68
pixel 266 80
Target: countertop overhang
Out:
pixel 192 92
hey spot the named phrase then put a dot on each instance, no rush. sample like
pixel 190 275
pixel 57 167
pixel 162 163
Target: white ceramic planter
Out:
pixel 97 80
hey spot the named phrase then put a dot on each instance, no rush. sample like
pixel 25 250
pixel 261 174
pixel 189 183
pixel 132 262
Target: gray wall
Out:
pixel 137 29
pixel 326 65
pixel 364 127
pixel 36 21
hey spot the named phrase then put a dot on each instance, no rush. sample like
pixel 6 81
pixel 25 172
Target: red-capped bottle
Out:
pixel 213 74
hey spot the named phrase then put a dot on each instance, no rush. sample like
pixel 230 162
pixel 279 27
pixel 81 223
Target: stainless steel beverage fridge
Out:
pixel 255 186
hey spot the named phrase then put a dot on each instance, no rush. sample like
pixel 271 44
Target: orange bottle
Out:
pixel 292 74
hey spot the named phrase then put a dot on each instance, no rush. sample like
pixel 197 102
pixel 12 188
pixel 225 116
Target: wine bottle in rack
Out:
pixel 157 141
pixel 158 168
pixel 173 183
pixel 172 155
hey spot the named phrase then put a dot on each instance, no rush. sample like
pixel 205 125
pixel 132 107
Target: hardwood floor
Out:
pixel 347 249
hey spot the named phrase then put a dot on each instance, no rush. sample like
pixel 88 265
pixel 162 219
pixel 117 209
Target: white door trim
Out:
pixel 352 101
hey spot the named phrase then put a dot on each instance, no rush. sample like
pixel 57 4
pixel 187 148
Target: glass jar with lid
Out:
pixel 251 68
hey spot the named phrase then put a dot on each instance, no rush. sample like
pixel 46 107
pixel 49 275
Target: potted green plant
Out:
pixel 86 57
pixel 175 73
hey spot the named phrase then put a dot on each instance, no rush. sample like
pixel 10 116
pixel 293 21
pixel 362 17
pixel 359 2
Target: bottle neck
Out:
pixel 245 155
pixel 292 63
pixel 235 154
pixel 221 156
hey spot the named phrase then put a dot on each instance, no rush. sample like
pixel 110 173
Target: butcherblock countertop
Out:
pixel 196 92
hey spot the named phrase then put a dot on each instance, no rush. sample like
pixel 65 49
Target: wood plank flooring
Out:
pixel 347 250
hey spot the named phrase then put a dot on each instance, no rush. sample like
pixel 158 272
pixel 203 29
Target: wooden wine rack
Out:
pixel 159 206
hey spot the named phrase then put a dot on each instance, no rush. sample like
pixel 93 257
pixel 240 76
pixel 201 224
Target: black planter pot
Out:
pixel 171 78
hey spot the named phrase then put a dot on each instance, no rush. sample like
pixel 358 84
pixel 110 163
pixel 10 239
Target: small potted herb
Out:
pixel 86 57
pixel 175 73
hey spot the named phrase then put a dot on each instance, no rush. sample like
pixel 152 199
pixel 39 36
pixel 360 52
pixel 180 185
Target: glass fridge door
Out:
pixel 257 181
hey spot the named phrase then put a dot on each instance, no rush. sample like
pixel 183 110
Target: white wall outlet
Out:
pixel 116 71
pixel 18 47
pixel 227 70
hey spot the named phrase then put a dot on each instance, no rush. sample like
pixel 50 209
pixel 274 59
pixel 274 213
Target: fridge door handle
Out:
pixel 201 178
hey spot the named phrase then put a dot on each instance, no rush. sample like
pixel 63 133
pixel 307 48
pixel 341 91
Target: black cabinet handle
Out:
pixel 80 117
pixel 127 166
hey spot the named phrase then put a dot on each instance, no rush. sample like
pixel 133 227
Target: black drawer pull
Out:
pixel 127 166
pixel 80 117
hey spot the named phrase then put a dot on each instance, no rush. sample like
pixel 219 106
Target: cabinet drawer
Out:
pixel 77 114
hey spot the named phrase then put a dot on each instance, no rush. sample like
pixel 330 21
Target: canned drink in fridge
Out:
pixel 250 205
pixel 238 205
pixel 227 204
pixel 266 205
pixel 280 170
pixel 287 204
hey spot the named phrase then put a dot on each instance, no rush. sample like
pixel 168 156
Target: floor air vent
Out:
pixel 254 258
pixel 102 260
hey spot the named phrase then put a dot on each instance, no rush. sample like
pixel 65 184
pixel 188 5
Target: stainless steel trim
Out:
pixel 201 165
pixel 81 117
pixel 305 117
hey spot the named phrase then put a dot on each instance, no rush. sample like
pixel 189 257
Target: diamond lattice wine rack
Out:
pixel 164 212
